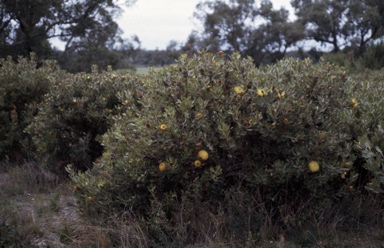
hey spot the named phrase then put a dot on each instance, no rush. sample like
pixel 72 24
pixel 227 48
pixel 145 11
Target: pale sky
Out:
pixel 156 22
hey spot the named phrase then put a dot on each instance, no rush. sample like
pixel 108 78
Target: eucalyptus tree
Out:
pixel 341 23
pixel 226 23
pixel 28 26
pixel 254 29
pixel 271 39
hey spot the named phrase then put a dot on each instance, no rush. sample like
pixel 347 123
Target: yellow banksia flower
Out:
pixel 239 90
pixel 162 166
pixel 354 103
pixel 261 92
pixel 163 127
pixel 199 115
pixel 197 163
pixel 203 154
pixel 314 166
pixel 281 95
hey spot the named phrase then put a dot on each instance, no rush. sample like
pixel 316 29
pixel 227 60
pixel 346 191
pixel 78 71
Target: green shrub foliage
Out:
pixel 347 60
pixel 370 61
pixel 209 127
pixel 76 111
pixel 22 86
pixel 370 143
pixel 373 57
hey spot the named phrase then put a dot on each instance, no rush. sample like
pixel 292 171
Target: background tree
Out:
pixel 226 23
pixel 270 41
pixel 158 57
pixel 25 27
pixel 261 32
pixel 86 27
pixel 366 22
pixel 341 23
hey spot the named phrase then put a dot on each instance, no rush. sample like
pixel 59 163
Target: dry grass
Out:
pixel 43 213
pixel 38 210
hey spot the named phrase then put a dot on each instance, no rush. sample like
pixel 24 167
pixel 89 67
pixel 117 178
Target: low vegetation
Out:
pixel 208 152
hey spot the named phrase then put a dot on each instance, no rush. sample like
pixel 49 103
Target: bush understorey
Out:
pixel 77 110
pixel 212 150
pixel 22 87
pixel 213 136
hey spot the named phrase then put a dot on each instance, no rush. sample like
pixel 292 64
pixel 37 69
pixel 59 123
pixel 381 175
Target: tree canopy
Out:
pixel 257 29
pixel 341 23
pixel 84 26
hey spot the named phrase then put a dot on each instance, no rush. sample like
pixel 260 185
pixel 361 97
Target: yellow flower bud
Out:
pixel 203 154
pixel 261 92
pixel 239 90
pixel 314 166
pixel 162 166
pixel 199 115
pixel 197 163
pixel 163 127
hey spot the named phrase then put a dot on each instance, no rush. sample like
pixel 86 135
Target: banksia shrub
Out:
pixel 75 112
pixel 22 87
pixel 369 146
pixel 210 126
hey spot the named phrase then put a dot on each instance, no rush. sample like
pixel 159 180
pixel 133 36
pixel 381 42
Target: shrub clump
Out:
pixel 75 112
pixel 23 85
pixel 223 134
pixel 369 146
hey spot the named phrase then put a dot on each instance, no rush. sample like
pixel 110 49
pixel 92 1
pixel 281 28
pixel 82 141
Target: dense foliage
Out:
pixel 74 113
pixel 22 86
pixel 213 132
pixel 210 136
